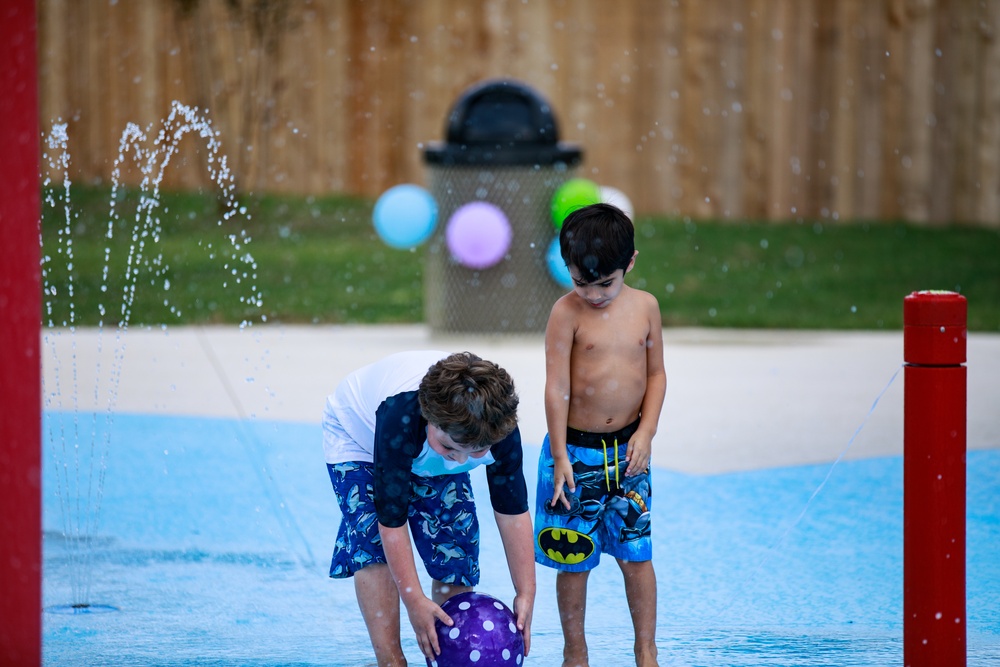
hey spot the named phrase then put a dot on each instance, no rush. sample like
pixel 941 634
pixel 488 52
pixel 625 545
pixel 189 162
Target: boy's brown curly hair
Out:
pixel 470 399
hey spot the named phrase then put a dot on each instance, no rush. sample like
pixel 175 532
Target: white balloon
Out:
pixel 616 197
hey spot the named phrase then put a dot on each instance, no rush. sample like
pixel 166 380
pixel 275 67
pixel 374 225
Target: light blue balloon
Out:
pixel 557 268
pixel 405 216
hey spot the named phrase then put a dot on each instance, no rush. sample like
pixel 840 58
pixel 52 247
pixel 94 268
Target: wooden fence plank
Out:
pixel 575 105
pixel 695 130
pixel 757 176
pixel 871 151
pixel 988 208
pixel 917 103
pixel 657 173
pixel 894 73
pixel 965 92
pixel 845 46
pixel 801 83
pixel 731 40
pixel 941 191
pixel 781 122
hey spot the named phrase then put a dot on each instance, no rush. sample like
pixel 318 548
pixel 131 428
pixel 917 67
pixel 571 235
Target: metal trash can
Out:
pixel 502 148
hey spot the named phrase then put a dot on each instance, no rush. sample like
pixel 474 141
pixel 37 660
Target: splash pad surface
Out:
pixel 216 533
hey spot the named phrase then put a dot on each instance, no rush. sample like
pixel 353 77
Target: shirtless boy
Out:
pixel 604 388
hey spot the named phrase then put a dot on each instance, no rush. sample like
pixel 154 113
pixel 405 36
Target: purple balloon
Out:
pixel 478 235
pixel 485 633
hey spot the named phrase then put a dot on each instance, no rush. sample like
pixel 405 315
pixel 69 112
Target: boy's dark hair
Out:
pixel 598 240
pixel 470 399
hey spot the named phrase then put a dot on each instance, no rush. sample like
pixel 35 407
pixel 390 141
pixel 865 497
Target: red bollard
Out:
pixel 934 338
pixel 20 362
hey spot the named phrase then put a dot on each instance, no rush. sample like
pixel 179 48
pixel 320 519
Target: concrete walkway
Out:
pixel 736 399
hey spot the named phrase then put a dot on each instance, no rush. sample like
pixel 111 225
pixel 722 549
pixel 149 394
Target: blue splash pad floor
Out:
pixel 214 539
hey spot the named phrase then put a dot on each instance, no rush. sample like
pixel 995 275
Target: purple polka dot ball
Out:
pixel 485 633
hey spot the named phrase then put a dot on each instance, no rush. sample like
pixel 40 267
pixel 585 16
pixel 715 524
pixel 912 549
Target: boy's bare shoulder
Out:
pixel 648 296
pixel 643 300
pixel 563 318
pixel 567 304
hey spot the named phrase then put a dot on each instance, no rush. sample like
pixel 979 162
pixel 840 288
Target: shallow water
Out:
pixel 216 537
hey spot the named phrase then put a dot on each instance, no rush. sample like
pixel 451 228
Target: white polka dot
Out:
pixel 453 633
pixel 488 626
pixel 505 654
pixel 498 605
pixel 512 627
pixel 518 660
pixel 474 656
pixel 464 605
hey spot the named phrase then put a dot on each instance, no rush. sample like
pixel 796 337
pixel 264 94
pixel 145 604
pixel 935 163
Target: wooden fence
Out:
pixel 768 109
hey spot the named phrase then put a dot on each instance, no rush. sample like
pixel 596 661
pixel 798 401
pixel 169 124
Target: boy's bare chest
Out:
pixel 621 339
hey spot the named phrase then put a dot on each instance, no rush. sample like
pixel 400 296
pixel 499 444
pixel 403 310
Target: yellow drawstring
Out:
pixel 617 484
pixel 607 474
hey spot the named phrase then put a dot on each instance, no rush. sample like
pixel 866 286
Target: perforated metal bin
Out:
pixel 502 147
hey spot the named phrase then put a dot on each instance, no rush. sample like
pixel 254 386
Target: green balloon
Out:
pixel 571 195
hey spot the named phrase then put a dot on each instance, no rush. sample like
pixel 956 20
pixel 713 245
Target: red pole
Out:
pixel 20 365
pixel 934 622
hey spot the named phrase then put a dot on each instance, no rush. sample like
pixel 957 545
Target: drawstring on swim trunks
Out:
pixel 607 474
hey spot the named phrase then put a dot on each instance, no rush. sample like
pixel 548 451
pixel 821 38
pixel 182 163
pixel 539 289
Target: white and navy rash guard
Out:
pixel 374 416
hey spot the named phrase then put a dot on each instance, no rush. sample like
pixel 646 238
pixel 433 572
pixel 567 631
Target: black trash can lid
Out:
pixel 501 122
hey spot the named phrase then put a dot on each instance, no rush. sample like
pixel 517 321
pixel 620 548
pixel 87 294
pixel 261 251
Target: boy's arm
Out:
pixel 558 348
pixel 398 438
pixel 640 444
pixel 421 610
pixel 518 544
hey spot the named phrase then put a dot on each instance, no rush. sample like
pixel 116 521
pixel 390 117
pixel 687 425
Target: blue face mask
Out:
pixel 431 464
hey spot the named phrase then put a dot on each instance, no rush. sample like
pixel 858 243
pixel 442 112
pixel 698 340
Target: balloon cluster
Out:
pixel 571 195
pixel 478 234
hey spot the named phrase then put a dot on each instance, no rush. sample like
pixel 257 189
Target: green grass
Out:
pixel 318 260
pixel 813 275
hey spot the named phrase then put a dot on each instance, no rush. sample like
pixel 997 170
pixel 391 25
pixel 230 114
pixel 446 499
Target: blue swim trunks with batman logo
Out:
pixel 608 513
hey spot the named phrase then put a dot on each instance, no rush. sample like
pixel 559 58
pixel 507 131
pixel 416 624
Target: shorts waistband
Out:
pixel 594 440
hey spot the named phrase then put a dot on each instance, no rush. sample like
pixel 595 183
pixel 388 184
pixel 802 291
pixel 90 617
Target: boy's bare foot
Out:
pixel 646 658
pixel 576 654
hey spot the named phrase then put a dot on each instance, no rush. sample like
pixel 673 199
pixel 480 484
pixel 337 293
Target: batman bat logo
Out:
pixel 566 546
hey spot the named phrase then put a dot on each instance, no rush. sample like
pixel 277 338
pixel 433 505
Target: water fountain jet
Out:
pixel 81 458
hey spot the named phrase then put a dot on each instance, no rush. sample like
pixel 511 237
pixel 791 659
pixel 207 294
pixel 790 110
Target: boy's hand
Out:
pixel 562 475
pixel 423 613
pixel 637 455
pixel 522 610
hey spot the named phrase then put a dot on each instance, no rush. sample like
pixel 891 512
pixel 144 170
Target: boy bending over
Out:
pixel 399 438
